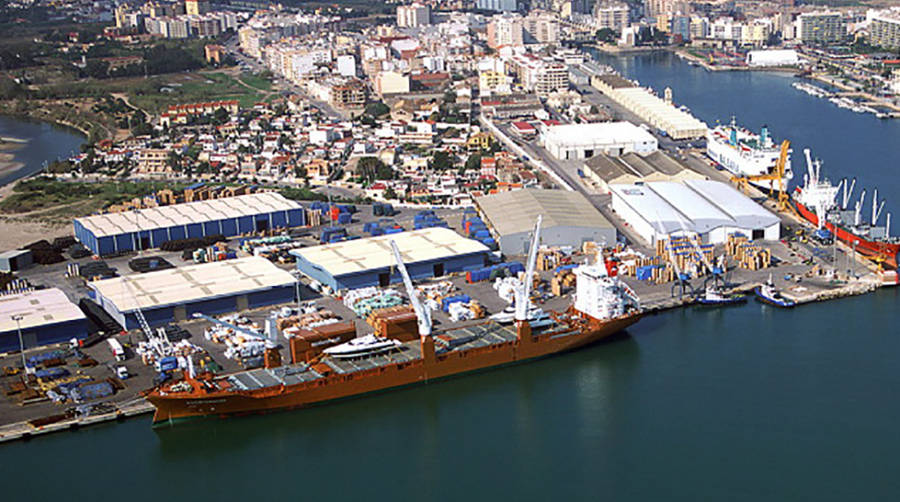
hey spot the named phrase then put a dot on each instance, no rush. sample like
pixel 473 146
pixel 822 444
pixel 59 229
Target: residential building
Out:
pixel 506 29
pixel 541 28
pixel 196 7
pixel 821 27
pixel 612 15
pixel 884 29
pixel 497 5
pixel 413 15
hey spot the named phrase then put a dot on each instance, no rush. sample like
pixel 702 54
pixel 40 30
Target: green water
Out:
pixel 747 403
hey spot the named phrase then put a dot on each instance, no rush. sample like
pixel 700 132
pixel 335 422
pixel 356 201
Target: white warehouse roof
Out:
pixel 37 308
pixel 739 207
pixel 194 282
pixel 371 253
pixel 596 134
pixel 102 225
pixel 697 213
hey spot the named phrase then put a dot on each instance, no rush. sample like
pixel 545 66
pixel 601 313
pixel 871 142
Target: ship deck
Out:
pixel 457 339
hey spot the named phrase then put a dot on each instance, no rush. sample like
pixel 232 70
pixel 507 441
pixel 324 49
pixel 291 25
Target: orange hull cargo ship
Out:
pixel 324 369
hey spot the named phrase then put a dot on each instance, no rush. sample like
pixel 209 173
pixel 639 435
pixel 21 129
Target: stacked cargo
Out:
pixel 465 311
pixel 383 209
pixel 549 258
pixel 428 219
pixel 306 320
pixel 563 280
pixel 191 243
pixel 474 228
pixel 333 234
pixel 364 300
pixel 340 213
pixel 399 323
pixel 748 255
pixel 149 264
pixel 383 226
pixel 493 272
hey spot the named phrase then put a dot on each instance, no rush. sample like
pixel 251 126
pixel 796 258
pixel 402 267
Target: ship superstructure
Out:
pixel 745 153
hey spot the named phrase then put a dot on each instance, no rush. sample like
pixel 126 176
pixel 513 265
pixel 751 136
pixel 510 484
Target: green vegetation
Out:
pixel 156 94
pixel 45 192
pixel 302 193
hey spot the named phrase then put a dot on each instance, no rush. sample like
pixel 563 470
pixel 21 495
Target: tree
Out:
pixel 389 193
pixel 473 162
pixel 371 169
pixel 377 109
pixel 607 35
pixel 441 161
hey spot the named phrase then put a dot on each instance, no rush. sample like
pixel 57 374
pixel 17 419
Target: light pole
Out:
pixel 18 318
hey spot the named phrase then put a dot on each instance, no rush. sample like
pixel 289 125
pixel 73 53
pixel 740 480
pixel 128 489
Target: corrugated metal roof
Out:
pixel 371 253
pixel 103 225
pixel 514 212
pixel 194 282
pixel 741 208
pixel 37 308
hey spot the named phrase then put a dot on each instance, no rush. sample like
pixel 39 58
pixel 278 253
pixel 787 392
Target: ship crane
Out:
pixel 523 291
pixel 857 219
pixel 423 315
pixel 782 198
pixel 848 192
pixel 876 208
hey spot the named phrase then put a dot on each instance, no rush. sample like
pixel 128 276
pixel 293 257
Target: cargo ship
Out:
pixel 745 153
pixel 816 201
pixel 603 306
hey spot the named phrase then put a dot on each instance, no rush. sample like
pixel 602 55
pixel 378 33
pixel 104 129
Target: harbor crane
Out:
pixel 682 280
pixel 423 314
pixel 782 199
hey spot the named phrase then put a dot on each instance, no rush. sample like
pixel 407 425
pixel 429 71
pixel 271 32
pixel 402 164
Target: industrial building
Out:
pixel 661 114
pixel 427 253
pixel 211 288
pixel 45 316
pixel 581 141
pixel 16 259
pixel 569 219
pixel 711 209
pixel 114 233
pixel 605 170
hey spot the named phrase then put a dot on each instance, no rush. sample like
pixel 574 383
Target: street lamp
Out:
pixel 18 318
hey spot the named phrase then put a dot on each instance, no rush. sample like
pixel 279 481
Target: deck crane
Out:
pixel 423 315
pixel 782 198
pixel 522 291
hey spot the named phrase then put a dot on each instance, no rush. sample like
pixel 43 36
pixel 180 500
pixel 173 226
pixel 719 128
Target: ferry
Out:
pixel 745 153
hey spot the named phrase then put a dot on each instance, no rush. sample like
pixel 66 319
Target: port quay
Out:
pixel 706 255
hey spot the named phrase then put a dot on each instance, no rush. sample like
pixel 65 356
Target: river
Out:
pixel 741 404
pixel 46 143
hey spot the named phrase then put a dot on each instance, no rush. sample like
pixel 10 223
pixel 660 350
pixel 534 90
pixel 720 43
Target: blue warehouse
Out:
pixel 427 253
pixel 114 233
pixel 45 316
pixel 210 288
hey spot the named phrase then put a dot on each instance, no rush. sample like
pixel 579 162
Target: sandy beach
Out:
pixel 21 229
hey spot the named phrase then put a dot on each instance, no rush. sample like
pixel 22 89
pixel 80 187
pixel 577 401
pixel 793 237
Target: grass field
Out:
pixel 67 199
pixel 157 93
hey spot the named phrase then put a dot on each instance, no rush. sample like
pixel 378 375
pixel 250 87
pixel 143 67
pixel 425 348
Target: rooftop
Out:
pixel 37 308
pixel 103 225
pixel 194 282
pixel 597 133
pixel 516 211
pixel 372 253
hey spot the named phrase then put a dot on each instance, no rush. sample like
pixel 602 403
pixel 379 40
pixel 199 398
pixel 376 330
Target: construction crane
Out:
pixel 423 314
pixel 782 198
pixel 523 291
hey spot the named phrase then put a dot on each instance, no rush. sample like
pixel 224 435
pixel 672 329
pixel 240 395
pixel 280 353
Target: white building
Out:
pixel 414 15
pixel 581 141
pixel 711 209
pixel 782 57
pixel 346 65
pixel 612 15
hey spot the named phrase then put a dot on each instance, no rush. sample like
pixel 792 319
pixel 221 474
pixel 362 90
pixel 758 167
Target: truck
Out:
pixel 117 350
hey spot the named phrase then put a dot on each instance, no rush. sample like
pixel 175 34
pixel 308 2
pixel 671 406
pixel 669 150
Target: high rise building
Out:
pixel 612 15
pixel 413 15
pixel 506 29
pixel 541 28
pixel 821 27
pixel 497 5
pixel 884 29
pixel 196 7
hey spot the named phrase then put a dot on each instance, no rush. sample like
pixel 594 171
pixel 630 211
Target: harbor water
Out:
pixel 45 143
pixel 745 403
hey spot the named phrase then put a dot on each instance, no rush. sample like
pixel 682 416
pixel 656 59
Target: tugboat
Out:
pixel 768 293
pixel 713 296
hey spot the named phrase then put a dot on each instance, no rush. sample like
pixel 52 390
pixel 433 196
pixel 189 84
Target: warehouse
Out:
pixel 114 233
pixel 569 219
pixel 661 114
pixel 709 208
pixel 774 57
pixel 209 288
pixel 582 141
pixel 605 170
pixel 427 253
pixel 45 316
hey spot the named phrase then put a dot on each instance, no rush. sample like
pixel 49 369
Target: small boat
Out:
pixel 362 346
pixel 508 315
pixel 714 297
pixel 768 293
